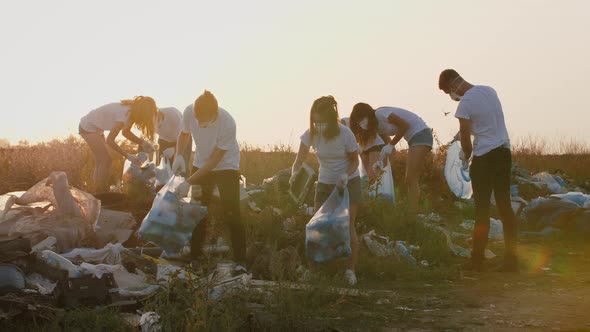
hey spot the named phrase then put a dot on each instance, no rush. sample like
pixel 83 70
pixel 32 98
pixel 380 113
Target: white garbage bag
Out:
pixel 457 176
pixel 383 188
pixel 171 221
pixel 552 184
pixel 110 254
pixel 163 172
pixel 327 234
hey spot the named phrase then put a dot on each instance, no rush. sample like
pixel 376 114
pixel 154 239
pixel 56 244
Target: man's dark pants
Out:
pixel 228 182
pixel 492 172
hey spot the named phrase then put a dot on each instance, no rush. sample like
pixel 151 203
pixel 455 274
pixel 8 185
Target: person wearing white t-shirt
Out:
pixel 337 153
pixel 217 163
pixel 168 129
pixel 370 152
pixel 480 114
pixel 392 124
pixel 140 112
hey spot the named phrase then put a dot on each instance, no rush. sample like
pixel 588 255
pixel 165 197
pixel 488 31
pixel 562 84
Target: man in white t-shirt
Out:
pixel 480 114
pixel 217 163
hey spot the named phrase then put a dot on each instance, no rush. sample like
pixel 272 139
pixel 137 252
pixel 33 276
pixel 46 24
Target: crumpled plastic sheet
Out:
pixel 551 212
pixel 110 254
pixel 50 208
pixel 130 284
pixel 149 322
pixel 457 249
pixel 583 200
pixel 554 184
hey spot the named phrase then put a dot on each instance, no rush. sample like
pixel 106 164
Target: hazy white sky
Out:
pixel 266 61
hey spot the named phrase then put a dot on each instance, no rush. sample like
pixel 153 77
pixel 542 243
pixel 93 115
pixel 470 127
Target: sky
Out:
pixel 266 61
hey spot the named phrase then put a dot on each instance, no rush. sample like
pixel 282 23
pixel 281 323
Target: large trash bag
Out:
pixel 554 183
pixel 383 188
pixel 583 200
pixel 552 212
pixel 457 176
pixel 327 234
pixel 171 221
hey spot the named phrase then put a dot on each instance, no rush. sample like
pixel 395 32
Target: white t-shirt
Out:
pixel 376 141
pixel 482 107
pixel 170 127
pixel 385 127
pixel 105 118
pixel 219 134
pixel 333 155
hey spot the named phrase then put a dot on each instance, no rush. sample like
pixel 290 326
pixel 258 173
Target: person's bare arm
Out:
pixel 402 126
pixel 181 143
pixel 300 159
pixel 128 134
pixel 465 132
pixel 354 162
pixel 211 163
pixel 113 133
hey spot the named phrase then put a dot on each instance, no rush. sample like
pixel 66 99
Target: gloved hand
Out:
pixel 378 166
pixel 183 189
pixel 386 151
pixel 179 165
pixel 147 147
pixel 169 153
pixel 464 160
pixel 342 182
pixel 293 177
pixel 133 159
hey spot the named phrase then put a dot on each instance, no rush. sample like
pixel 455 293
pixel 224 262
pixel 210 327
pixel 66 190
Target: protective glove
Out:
pixel 169 153
pixel 147 147
pixel 386 151
pixel 179 165
pixel 342 182
pixel 132 159
pixel 293 177
pixel 183 189
pixel 464 160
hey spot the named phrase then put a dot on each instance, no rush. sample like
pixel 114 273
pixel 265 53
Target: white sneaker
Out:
pixel 350 277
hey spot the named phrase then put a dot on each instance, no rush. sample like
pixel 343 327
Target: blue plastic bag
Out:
pixel 327 234
pixel 170 222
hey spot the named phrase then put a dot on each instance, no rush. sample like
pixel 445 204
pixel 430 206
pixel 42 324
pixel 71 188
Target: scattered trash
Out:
pixel 13 249
pixel 456 174
pixel 496 232
pixel 110 254
pixel 48 244
pixel 456 249
pixel 87 290
pixel 139 181
pixel 149 322
pixel 41 284
pixel 583 200
pixel 12 279
pixel 51 208
pixel 171 221
pixel 554 184
pixel 303 183
pixel 556 213
pixel 327 234
pixel 60 263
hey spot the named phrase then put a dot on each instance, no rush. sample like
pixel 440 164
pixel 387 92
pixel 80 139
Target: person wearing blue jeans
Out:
pixel 480 114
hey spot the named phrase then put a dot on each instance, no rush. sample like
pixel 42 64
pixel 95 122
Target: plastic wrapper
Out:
pixel 327 234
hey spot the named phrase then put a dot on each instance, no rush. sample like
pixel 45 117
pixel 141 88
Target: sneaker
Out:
pixel 350 277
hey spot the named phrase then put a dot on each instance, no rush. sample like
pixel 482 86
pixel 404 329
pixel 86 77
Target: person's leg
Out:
pixel 482 192
pixel 414 167
pixel 102 159
pixel 200 231
pixel 228 183
pixel 503 165
pixel 354 189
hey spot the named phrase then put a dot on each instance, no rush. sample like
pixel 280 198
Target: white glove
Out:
pixel 464 160
pixel 179 164
pixel 378 166
pixel 147 147
pixel 183 189
pixel 386 151
pixel 133 159
pixel 342 181
pixel 169 153
pixel 293 177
